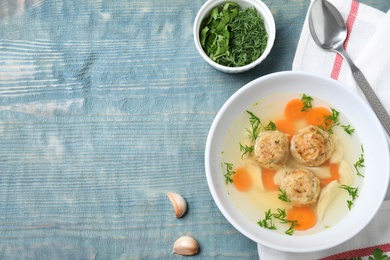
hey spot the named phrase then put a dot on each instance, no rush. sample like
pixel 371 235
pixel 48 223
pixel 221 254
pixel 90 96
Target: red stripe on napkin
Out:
pixel 358 252
pixel 350 22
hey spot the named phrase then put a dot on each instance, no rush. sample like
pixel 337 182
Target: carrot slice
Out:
pixel 335 175
pixel 267 177
pixel 242 180
pixel 286 126
pixel 317 117
pixel 293 109
pixel 305 216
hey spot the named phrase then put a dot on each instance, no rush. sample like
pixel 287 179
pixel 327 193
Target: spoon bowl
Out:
pixel 329 31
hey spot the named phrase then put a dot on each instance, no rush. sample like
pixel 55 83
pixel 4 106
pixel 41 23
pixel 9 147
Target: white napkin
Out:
pixel 368 45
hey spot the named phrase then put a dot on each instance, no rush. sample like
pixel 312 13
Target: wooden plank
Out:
pixel 104 107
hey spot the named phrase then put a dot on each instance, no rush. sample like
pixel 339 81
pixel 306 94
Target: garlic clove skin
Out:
pixel 186 246
pixel 178 202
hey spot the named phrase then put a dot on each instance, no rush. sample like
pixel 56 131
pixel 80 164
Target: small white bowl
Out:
pixel 268 22
pixel 226 130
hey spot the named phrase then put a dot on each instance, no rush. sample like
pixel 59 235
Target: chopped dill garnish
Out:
pixel 348 129
pixel 270 127
pixel 307 102
pixel 332 120
pixel 281 215
pixel 248 39
pixel 360 163
pixel 267 221
pixel 255 123
pixel 256 126
pixel 353 193
pixel 334 117
pixel 229 173
pixel 232 36
pixel 283 196
pixel 245 149
pixel 350 204
pixel 290 230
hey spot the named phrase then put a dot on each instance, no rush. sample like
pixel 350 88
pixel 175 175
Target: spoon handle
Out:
pixel 368 92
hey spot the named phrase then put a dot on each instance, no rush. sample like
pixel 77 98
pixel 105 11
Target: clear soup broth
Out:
pixel 334 202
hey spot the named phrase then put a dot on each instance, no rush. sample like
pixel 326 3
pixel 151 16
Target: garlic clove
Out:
pixel 178 202
pixel 185 245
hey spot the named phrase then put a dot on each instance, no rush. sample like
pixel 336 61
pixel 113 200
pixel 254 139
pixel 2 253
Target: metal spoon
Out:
pixel 329 31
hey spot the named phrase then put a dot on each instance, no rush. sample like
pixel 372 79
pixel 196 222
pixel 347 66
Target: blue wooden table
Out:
pixel 104 107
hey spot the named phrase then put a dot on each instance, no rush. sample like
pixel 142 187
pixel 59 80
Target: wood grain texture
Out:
pixel 104 107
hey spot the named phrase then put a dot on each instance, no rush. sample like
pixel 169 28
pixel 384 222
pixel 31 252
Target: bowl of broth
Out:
pixel 297 162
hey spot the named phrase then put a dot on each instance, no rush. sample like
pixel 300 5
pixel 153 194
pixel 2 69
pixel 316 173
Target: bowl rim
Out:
pixel 268 21
pixel 368 205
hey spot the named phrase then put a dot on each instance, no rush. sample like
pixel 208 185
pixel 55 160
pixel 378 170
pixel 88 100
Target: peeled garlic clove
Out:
pixel 185 245
pixel 178 202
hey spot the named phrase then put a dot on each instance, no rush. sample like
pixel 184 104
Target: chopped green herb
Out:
pixel 281 215
pixel 332 120
pixel 229 173
pixel 360 163
pixel 334 117
pixel 350 204
pixel 290 230
pixel 267 221
pixel 348 129
pixel 233 37
pixel 245 149
pixel 214 34
pixel 270 127
pixel 283 196
pixel 307 102
pixel 352 193
pixel 255 123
